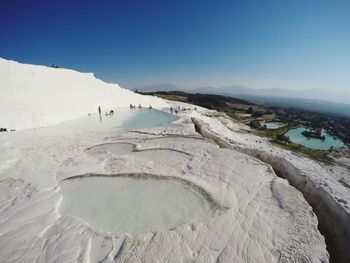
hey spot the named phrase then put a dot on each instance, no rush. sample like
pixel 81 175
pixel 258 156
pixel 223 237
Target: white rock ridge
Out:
pixel 318 182
pixel 35 96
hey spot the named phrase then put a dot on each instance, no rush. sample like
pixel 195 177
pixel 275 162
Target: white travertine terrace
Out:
pixel 259 217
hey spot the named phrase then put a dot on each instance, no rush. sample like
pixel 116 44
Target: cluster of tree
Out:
pixel 209 101
pixel 254 114
pixel 282 138
pixel 255 124
pixel 216 100
pixel 257 114
pixel 316 134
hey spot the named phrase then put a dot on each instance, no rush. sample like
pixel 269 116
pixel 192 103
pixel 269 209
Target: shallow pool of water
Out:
pixel 123 119
pixel 118 205
pixel 295 136
pixel 273 125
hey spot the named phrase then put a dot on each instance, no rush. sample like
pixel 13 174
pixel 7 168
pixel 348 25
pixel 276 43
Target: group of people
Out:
pixel 140 106
pixel 107 113
pixel 178 108
pixel 172 110
pixel 5 130
pixel 111 112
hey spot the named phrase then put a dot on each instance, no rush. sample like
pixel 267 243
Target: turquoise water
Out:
pixel 123 119
pixel 273 125
pixel 146 118
pixel 295 136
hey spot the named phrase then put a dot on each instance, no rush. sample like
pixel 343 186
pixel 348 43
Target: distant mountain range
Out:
pixel 306 104
pixel 332 101
pixel 337 96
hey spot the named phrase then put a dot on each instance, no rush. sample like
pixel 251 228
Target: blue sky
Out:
pixel 262 44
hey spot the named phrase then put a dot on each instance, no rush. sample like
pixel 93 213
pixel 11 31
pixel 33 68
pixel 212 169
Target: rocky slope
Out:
pixel 36 96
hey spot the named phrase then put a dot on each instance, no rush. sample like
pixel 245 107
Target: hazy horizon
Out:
pixel 335 96
pixel 225 86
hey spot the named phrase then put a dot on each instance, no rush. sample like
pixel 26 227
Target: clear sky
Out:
pixel 261 44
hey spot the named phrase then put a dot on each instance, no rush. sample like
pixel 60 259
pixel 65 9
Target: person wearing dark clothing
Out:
pixel 99 110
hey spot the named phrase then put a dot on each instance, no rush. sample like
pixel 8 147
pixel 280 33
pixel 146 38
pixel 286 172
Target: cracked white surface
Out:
pixel 266 221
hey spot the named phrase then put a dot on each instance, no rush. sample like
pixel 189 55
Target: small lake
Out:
pixel 123 119
pixel 273 125
pixel 295 136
